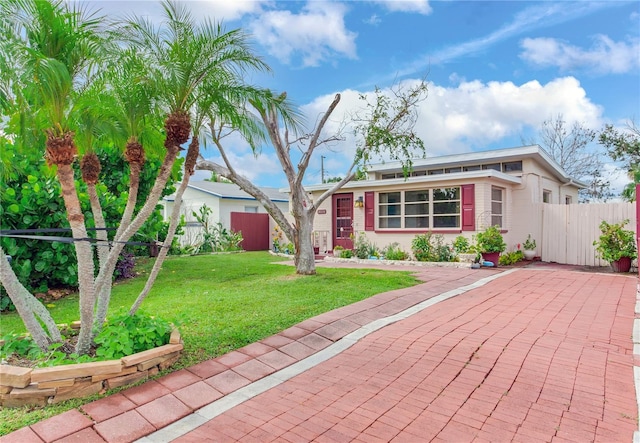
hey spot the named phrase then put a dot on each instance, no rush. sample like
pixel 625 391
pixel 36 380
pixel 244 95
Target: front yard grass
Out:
pixel 220 303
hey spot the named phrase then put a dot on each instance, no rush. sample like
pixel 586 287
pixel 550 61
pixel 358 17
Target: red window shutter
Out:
pixel 468 208
pixel 369 212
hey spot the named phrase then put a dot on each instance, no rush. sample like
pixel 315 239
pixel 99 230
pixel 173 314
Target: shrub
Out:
pixel 490 240
pixel 431 247
pixel 511 257
pixel 127 334
pixel 615 242
pixel 394 252
pixel 346 253
pixel 125 266
pixel 363 248
pixel 461 245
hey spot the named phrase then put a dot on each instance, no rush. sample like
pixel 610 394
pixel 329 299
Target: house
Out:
pixel 452 195
pixel 232 207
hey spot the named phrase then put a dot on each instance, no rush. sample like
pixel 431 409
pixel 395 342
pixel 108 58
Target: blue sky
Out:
pixel 496 69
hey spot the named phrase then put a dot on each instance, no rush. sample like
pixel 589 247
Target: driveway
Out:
pixel 527 355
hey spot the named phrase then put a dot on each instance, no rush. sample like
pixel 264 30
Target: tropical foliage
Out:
pixel 615 242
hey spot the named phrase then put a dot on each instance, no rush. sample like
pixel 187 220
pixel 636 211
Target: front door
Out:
pixel 343 220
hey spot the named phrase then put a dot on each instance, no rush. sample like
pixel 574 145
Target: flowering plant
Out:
pixel 277 238
pixel 529 244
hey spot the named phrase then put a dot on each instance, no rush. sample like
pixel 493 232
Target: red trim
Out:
pixel 468 207
pixel 369 211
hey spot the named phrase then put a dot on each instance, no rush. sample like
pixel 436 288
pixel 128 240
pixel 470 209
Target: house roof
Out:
pixel 469 158
pixel 232 191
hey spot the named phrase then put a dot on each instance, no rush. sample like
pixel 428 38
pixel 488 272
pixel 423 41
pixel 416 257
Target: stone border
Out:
pixel 41 386
pixel 432 264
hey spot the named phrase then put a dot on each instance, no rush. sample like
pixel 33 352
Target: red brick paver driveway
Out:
pixel 533 356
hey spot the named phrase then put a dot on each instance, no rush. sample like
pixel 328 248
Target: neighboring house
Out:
pixel 450 195
pixel 232 207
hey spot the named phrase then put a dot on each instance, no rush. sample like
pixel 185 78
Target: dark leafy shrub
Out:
pixel 125 266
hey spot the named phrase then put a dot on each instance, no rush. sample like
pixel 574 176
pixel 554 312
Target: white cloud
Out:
pixel 532 18
pixel 472 115
pixel 316 34
pixel 604 57
pixel 215 9
pixel 419 6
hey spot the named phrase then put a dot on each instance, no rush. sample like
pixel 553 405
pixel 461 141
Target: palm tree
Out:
pixel 57 46
pixel 180 54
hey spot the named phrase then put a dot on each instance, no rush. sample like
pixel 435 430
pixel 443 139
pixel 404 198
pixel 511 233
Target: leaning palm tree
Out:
pixel 57 46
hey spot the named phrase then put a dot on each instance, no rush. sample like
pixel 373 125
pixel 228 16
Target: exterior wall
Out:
pixel 221 208
pixel 521 214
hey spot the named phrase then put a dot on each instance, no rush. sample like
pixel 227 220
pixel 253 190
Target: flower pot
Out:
pixel 493 257
pixel 467 258
pixel 621 265
pixel 529 254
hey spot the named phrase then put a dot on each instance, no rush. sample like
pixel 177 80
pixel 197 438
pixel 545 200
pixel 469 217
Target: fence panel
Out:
pixel 568 231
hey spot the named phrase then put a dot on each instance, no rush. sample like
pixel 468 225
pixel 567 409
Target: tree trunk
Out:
pixel 84 255
pixel 305 259
pixel 173 224
pixel 103 281
pixel 26 305
pixel 101 232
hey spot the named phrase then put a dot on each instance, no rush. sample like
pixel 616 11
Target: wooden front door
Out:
pixel 343 220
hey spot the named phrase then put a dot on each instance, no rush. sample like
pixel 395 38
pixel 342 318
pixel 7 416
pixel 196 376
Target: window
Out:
pixel 494 166
pixel 418 173
pixel 567 200
pixel 419 209
pixel 546 196
pixel 496 206
pixel 512 166
pixel 390 210
pixel 472 168
pixel 452 170
pixel 436 171
pixel 253 209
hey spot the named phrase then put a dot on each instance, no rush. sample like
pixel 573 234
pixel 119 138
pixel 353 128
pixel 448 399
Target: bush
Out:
pixel 30 199
pixel 363 248
pixel 431 247
pixel 615 242
pixel 125 266
pixel 511 257
pixel 394 252
pixel 127 334
pixel 346 253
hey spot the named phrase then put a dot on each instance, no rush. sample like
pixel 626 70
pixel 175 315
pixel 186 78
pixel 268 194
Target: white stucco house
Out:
pixel 232 207
pixel 453 195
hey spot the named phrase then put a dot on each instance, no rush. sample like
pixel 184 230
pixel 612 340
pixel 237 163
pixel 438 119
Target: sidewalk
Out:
pixel 532 355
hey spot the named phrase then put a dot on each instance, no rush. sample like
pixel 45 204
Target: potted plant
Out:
pixel 616 245
pixel 529 248
pixel 464 249
pixel 490 244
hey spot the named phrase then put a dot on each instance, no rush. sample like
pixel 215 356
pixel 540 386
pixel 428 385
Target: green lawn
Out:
pixel 221 303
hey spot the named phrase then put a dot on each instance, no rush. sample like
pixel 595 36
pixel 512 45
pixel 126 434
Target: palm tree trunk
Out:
pixel 101 232
pixel 134 184
pixel 84 255
pixel 173 224
pixel 103 281
pixel 28 306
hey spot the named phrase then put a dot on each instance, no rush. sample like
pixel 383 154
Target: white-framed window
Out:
pixel 546 196
pixel 497 206
pixel 437 208
pixel 568 200
pixel 252 209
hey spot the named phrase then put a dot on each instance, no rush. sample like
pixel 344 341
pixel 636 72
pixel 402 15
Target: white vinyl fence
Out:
pixel 568 231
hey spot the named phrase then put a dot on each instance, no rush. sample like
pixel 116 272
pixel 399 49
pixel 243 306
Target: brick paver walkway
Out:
pixel 534 355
